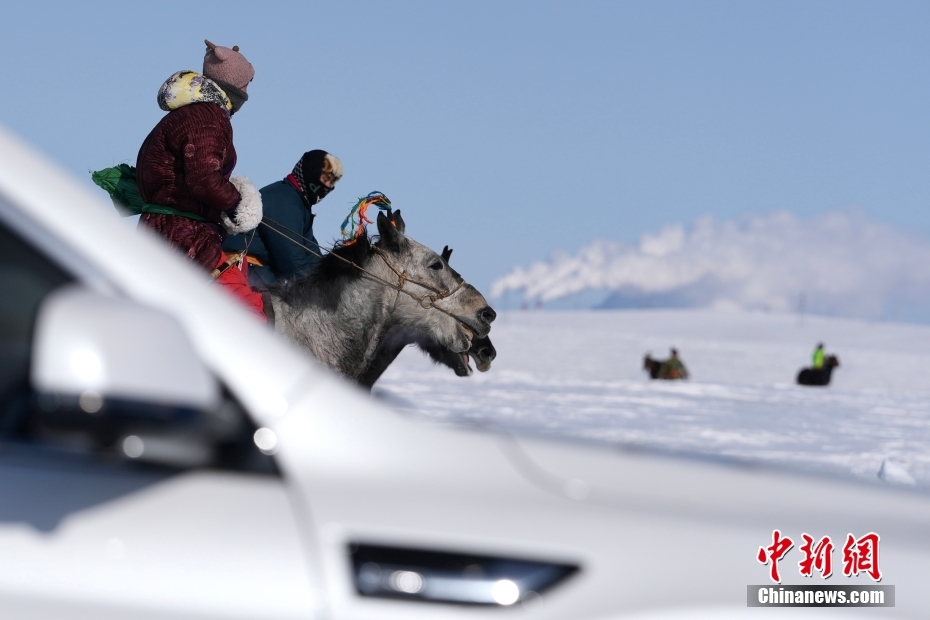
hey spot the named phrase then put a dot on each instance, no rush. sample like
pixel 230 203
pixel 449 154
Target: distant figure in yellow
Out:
pixel 817 357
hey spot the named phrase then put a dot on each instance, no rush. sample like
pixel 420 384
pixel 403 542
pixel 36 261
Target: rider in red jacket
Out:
pixel 187 160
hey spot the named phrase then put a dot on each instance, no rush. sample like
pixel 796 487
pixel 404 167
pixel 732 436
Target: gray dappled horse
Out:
pixel 394 341
pixel 341 311
pixel 397 338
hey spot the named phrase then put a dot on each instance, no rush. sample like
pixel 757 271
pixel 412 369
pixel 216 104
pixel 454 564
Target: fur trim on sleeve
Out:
pixel 248 213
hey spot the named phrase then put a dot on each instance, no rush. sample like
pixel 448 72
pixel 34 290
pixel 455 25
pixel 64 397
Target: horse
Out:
pixel 396 339
pixel 341 311
pixel 664 369
pixel 818 376
pixel 652 366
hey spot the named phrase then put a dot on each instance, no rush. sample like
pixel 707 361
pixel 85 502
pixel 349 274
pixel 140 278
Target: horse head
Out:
pixel 431 296
pixel 651 365
pixel 365 301
pixel 481 350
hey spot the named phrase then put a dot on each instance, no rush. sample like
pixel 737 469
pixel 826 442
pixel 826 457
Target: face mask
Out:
pixel 235 95
pixel 318 190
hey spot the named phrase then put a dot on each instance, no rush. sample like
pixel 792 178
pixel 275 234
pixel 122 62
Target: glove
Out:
pixel 246 215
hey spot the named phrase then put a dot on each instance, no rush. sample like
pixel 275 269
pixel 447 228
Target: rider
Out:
pixel 673 367
pixel 186 161
pixel 817 357
pixel 274 250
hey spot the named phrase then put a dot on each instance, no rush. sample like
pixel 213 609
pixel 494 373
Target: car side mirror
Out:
pixel 114 370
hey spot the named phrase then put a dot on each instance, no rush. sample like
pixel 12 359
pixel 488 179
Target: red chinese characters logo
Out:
pixel 819 556
pixel 774 553
pixel 861 556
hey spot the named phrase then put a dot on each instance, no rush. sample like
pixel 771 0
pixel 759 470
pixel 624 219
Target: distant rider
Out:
pixel 186 161
pixel 673 367
pixel 288 207
pixel 817 357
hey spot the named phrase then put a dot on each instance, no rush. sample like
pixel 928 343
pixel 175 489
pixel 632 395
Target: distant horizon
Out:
pixel 799 317
pixel 841 263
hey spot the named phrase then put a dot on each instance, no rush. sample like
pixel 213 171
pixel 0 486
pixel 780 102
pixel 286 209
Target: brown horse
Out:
pixel 669 369
pixel 652 366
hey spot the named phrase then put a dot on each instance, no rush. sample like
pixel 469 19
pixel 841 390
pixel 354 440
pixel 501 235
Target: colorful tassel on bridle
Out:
pixel 352 228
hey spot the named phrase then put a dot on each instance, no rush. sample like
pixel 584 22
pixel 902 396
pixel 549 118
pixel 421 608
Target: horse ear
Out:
pixel 446 254
pixel 391 236
pixel 398 221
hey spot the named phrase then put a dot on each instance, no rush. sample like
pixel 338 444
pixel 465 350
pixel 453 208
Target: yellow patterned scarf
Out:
pixel 186 87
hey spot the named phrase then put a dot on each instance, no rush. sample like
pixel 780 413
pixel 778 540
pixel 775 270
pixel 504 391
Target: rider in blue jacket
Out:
pixel 288 214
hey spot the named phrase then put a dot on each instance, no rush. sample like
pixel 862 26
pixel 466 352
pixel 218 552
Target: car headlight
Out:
pixel 448 577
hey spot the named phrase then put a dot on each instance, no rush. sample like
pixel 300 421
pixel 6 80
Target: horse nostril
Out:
pixel 487 314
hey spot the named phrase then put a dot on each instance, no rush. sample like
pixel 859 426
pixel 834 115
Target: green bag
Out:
pixel 120 183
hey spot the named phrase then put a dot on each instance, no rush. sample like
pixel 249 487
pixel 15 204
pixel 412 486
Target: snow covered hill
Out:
pixel 840 264
pixel 579 374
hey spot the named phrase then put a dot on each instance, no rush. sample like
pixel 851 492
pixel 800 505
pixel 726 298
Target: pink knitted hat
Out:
pixel 227 65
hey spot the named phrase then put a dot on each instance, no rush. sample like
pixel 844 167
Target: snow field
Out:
pixel 579 374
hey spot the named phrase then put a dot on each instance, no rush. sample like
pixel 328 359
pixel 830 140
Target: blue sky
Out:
pixel 509 130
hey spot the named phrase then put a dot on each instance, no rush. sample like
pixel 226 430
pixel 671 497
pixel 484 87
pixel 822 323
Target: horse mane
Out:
pixel 337 268
pixel 332 273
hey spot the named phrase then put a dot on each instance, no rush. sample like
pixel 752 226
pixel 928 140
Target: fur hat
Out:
pixel 227 65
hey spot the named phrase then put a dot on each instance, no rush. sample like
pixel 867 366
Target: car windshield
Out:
pixel 26 277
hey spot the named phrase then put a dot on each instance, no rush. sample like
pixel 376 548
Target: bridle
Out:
pixel 427 300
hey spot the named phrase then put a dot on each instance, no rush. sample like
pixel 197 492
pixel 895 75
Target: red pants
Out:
pixel 236 281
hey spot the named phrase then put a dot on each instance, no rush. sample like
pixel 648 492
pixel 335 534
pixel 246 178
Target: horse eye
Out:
pixel 437 265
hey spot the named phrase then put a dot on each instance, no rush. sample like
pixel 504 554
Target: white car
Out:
pixel 164 455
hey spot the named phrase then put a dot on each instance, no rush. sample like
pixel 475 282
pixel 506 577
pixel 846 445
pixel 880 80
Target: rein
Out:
pixel 427 301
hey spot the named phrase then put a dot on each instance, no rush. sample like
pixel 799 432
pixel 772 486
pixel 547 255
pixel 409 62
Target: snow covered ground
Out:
pixel 579 374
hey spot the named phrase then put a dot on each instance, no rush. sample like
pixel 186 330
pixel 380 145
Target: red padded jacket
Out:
pixel 185 163
pixel 186 160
